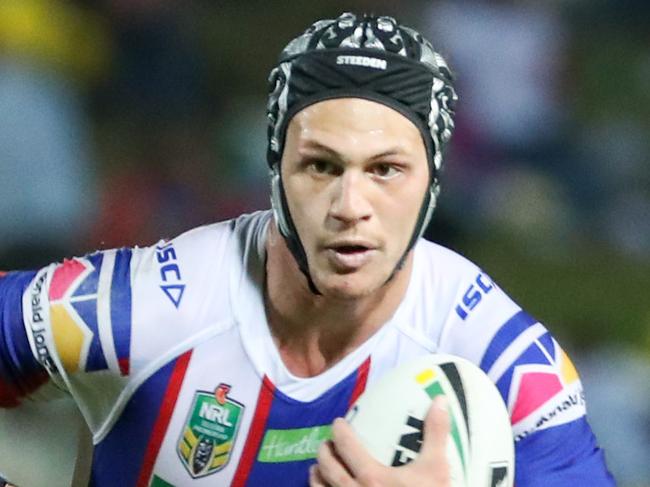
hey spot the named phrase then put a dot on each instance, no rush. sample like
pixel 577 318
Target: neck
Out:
pixel 313 332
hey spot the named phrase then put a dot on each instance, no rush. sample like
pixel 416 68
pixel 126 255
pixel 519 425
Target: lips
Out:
pixel 350 255
pixel 350 249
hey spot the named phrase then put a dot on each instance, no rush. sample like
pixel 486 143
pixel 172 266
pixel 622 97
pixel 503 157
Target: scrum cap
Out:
pixel 363 57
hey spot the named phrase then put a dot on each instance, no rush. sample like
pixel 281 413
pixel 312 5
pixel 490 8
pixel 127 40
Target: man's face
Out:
pixel 355 174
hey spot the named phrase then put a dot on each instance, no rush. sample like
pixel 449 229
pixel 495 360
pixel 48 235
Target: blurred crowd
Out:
pixel 124 121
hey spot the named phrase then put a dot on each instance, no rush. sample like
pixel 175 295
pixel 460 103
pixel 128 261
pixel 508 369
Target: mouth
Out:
pixel 348 256
pixel 350 249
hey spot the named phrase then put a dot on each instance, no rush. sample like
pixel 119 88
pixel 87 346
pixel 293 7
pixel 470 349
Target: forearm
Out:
pixel 20 372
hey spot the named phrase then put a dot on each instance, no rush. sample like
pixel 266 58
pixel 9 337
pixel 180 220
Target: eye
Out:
pixel 321 166
pixel 384 170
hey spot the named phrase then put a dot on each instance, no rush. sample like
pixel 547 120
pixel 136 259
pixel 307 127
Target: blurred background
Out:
pixel 124 121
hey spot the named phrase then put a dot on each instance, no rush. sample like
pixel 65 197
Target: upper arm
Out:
pixel 85 309
pixel 78 319
pixel 99 325
pixel 562 455
pixel 541 388
pixel 68 324
pixel 554 444
pixel 537 381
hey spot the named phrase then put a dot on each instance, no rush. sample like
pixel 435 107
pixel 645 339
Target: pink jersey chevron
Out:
pixel 545 394
pixel 66 276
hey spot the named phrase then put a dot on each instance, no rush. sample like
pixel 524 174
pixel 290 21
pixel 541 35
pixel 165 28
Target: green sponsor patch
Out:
pixel 292 445
pixel 158 482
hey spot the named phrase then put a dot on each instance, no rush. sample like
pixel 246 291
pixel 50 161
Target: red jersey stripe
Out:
pixel 362 379
pixel 164 416
pixel 124 366
pixel 255 433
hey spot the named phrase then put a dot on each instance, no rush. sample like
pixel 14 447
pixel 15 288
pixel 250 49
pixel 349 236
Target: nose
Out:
pixel 350 204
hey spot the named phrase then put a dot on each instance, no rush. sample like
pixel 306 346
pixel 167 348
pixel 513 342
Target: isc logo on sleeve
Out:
pixel 170 273
pixel 481 286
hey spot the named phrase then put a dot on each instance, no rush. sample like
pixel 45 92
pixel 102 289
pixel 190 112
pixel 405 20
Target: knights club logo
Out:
pixel 209 432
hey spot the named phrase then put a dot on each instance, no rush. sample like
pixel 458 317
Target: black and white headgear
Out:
pixel 367 57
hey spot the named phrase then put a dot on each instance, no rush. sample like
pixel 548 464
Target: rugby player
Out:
pixel 226 355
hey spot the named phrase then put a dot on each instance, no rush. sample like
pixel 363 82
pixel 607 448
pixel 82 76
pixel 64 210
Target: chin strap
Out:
pixel 287 228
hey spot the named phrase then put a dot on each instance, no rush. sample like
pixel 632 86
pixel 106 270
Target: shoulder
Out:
pixel 454 302
pixel 182 287
pixel 214 244
pixel 191 265
pixel 446 273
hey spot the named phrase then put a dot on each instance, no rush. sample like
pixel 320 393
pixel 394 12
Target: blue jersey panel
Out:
pixel 561 456
pixel 20 372
pixel 118 458
pixel 310 421
pixel 510 330
pixel 121 308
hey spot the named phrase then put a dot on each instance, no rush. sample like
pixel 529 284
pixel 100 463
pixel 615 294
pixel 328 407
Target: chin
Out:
pixel 348 286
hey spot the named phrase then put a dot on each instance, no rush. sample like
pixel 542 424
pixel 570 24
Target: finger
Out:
pixel 315 477
pixel 331 469
pixel 349 447
pixel 436 430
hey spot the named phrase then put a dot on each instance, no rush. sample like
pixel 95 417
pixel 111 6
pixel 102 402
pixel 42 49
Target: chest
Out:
pixel 211 418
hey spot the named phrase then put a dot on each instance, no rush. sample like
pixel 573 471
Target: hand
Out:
pixel 344 461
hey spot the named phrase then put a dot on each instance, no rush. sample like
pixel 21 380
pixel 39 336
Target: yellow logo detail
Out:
pixel 569 372
pixel 68 337
pixel 426 376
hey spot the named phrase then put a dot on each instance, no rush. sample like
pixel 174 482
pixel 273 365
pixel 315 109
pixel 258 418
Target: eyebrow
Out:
pixel 315 145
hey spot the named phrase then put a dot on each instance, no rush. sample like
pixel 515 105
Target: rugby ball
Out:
pixel 389 418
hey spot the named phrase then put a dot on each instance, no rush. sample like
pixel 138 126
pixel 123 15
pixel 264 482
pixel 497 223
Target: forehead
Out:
pixel 344 120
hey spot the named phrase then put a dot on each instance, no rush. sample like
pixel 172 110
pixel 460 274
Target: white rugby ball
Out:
pixel 389 416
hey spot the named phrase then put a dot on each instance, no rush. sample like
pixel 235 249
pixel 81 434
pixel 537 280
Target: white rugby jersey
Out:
pixel 168 353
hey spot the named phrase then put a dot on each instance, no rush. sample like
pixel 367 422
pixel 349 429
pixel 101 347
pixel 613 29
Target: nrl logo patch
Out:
pixel 209 432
